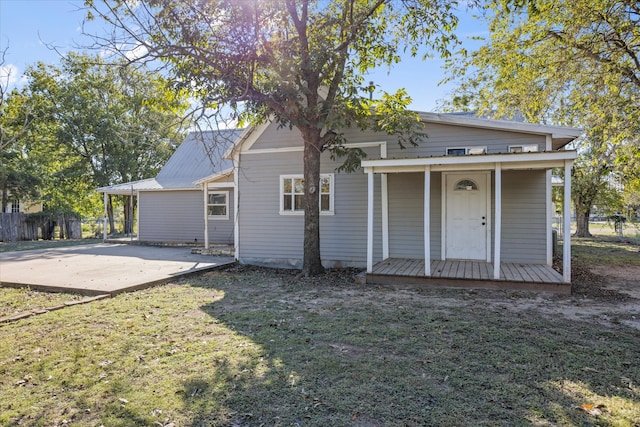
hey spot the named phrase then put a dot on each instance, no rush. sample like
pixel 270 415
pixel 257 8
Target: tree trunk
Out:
pixel 312 264
pixel 112 226
pixel 4 200
pixel 128 215
pixel 582 221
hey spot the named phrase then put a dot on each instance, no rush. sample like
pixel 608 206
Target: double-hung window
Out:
pixel 217 205
pixel 292 194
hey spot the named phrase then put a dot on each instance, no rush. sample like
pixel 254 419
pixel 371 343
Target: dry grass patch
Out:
pixel 251 347
pixel 17 301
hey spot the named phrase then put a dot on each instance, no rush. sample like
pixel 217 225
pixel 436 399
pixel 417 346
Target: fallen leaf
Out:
pixel 123 400
pixel 592 409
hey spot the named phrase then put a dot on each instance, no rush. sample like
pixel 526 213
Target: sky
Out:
pixel 29 29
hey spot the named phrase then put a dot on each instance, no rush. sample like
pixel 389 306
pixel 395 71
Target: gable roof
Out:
pixel 200 155
pixel 560 135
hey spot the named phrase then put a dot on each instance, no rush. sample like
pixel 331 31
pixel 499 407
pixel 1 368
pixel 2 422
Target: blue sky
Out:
pixel 28 26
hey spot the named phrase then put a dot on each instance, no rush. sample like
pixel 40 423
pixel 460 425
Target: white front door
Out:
pixel 467 224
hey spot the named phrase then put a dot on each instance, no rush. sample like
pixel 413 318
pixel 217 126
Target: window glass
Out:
pixel 456 151
pixel 293 193
pixel 217 205
pixel 466 184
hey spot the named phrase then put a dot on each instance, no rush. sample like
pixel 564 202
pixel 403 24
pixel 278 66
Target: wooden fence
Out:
pixel 20 226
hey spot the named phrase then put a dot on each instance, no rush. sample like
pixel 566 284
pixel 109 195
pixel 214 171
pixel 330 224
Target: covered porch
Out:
pixel 454 273
pixel 488 263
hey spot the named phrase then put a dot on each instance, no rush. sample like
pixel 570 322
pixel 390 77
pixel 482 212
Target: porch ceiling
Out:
pixel 539 160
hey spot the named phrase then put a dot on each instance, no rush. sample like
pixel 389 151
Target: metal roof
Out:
pixel 200 155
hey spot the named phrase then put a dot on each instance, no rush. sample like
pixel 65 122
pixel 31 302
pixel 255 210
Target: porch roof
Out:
pixel 536 160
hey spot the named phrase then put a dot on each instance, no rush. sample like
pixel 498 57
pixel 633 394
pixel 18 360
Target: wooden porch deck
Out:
pixel 541 277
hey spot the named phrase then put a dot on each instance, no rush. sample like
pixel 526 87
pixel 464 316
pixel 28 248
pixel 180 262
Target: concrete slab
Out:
pixel 102 268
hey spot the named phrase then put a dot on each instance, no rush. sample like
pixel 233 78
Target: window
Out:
pixel 530 148
pixel 466 185
pixel 292 194
pixel 15 206
pixel 462 151
pixel 217 205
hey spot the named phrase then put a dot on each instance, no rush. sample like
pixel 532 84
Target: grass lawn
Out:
pixel 252 347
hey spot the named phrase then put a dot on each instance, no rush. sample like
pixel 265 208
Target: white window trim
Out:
pixel 525 148
pixel 226 202
pixel 331 177
pixel 467 150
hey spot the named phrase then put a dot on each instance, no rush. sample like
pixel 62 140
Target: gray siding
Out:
pixel 524 227
pixel 178 216
pixel 220 230
pixel 439 138
pixel 171 216
pixel 266 237
pixel 406 207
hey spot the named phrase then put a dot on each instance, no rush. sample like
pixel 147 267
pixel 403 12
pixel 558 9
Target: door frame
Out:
pixel 444 190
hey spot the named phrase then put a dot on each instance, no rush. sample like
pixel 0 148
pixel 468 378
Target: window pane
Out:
pixel 324 202
pixel 299 200
pixel 287 203
pixel 217 210
pixel 217 199
pixel 456 151
pixel 466 184
pixel 299 186
pixel 287 185
pixel 325 185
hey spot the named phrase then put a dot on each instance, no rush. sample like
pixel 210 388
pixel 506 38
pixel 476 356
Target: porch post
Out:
pixel 205 192
pixel 236 206
pixel 106 215
pixel 566 233
pixel 427 220
pixel 385 216
pixel 384 194
pixel 498 221
pixel 370 195
pixel 549 221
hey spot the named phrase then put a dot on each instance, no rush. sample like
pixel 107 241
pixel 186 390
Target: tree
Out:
pixel 97 125
pixel 300 63
pixel 567 62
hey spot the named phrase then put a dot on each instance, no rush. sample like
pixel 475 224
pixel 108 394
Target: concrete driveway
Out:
pixel 102 268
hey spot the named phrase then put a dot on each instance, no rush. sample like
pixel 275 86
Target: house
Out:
pixel 172 207
pixel 15 205
pixel 472 201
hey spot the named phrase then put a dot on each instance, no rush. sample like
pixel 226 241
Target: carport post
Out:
pixel 205 192
pixel 104 222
